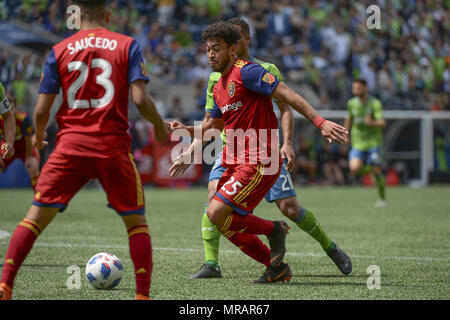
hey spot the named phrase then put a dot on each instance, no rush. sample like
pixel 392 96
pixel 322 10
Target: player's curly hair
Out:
pixel 221 30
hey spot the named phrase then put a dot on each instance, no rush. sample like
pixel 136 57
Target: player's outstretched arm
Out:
pixel 198 132
pixel 148 110
pixel 40 118
pixel 330 130
pixel 9 123
pixel 287 127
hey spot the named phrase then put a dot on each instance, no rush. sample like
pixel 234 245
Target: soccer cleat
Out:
pixel 5 292
pixel 341 260
pixel 381 203
pixel 282 273
pixel 142 297
pixel 207 271
pixel 277 242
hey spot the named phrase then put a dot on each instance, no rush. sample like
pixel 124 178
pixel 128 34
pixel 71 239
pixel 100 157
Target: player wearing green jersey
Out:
pixel 365 123
pixel 282 192
pixel 7 146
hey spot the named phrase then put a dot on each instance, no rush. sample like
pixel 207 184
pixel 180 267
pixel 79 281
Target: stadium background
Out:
pixel 319 46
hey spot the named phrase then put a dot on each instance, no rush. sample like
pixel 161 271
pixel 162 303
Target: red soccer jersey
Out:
pixel 94 69
pixel 242 98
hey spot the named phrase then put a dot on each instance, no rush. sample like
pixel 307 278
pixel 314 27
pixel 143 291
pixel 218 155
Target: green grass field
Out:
pixel 408 240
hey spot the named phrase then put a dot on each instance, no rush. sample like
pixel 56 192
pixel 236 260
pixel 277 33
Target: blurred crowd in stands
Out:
pixel 323 44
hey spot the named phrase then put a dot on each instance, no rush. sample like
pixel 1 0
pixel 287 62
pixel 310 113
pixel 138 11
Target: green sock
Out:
pixel 379 180
pixel 309 223
pixel 211 237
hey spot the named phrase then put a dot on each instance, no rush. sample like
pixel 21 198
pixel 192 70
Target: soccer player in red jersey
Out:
pixel 23 149
pixel 95 68
pixel 243 98
pixel 7 146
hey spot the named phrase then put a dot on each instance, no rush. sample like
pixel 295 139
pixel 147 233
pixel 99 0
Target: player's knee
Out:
pixel 216 216
pixel 289 207
pixel 355 167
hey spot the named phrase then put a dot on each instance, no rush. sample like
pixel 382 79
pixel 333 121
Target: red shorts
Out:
pixel 242 187
pixel 63 176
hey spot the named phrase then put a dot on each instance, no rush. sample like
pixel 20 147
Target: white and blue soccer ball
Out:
pixel 104 271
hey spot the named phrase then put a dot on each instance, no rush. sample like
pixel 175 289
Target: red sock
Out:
pixel 22 241
pixel 252 246
pixel 141 255
pixel 248 224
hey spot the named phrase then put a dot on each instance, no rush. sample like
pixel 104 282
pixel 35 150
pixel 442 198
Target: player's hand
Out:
pixel 334 132
pixel 175 125
pixel 287 152
pixel 39 141
pixel 6 150
pixel 181 164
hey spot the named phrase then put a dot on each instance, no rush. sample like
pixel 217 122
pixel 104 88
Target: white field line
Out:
pixel 4 234
pixel 302 254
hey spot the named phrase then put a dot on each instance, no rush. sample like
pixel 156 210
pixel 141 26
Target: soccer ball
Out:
pixel 104 271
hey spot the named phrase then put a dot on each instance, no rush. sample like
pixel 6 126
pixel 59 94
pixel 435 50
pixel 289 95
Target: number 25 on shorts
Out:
pixel 231 186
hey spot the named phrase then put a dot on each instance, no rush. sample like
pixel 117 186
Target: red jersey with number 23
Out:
pixel 94 69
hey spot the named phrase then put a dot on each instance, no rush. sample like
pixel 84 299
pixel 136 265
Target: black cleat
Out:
pixel 206 271
pixel 341 260
pixel 282 273
pixel 277 242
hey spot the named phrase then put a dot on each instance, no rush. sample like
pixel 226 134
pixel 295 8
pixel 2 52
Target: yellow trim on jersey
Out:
pixel 140 193
pixel 251 186
pixel 227 223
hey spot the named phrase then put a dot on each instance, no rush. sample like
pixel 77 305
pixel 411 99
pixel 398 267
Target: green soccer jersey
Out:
pixel 215 76
pixel 4 103
pixel 365 137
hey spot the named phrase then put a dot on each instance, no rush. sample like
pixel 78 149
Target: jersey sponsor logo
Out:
pixel 268 78
pixel 231 89
pixel 91 42
pixel 232 106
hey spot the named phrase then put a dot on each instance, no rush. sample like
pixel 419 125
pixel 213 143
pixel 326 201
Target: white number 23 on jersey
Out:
pixel 102 80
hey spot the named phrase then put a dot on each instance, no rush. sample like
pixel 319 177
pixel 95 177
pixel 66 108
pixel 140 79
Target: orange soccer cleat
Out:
pixel 5 292
pixel 142 297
